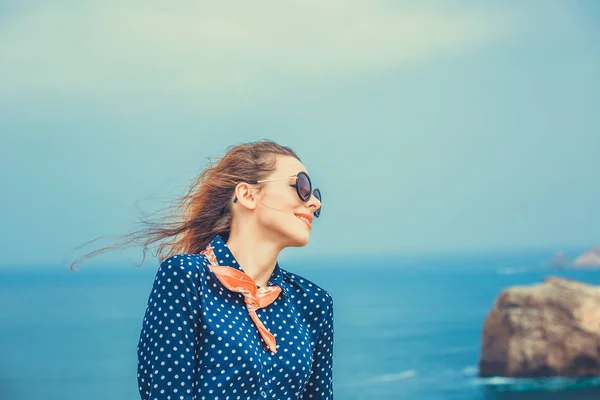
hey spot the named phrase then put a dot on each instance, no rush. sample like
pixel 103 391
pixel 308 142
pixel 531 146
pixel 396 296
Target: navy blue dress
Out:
pixel 199 342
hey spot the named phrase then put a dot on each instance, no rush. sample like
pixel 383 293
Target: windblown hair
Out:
pixel 205 210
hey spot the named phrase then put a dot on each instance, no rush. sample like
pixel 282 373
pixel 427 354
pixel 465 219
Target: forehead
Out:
pixel 287 166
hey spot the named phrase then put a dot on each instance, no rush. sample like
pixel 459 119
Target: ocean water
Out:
pixel 405 328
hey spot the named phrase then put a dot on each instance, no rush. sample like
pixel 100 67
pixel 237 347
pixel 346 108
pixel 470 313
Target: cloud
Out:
pixel 218 53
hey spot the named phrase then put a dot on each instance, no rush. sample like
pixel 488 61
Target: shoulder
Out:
pixel 189 265
pixel 314 293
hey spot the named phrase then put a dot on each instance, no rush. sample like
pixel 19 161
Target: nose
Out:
pixel 313 203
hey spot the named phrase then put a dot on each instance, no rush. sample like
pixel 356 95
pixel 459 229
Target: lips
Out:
pixel 306 218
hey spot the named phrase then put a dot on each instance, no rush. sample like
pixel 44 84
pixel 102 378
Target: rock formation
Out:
pixel 543 330
pixel 590 258
pixel 559 261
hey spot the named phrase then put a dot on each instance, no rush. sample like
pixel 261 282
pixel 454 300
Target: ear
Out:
pixel 245 195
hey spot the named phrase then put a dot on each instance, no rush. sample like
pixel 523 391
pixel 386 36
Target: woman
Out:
pixel 224 320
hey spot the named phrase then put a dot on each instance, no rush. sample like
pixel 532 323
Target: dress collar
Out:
pixel 224 256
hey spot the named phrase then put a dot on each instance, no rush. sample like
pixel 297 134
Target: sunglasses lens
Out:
pixel 304 187
pixel 317 194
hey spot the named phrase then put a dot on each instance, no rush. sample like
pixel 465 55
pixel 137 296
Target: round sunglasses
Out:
pixel 303 187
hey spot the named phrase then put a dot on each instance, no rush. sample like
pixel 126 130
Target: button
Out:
pixel 263 394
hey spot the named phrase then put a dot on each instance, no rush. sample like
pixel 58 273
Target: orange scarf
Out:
pixel 255 298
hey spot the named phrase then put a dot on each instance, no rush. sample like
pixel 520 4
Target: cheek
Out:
pixel 278 213
pixel 282 205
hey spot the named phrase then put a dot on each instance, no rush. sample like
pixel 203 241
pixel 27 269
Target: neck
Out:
pixel 256 256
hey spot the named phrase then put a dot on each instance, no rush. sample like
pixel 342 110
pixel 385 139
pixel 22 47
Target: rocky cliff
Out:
pixel 590 258
pixel 542 330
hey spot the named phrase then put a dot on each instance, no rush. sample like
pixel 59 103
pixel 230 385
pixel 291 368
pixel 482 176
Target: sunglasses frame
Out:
pixel 312 191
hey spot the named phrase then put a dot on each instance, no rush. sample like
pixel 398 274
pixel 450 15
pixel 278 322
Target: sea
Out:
pixel 405 327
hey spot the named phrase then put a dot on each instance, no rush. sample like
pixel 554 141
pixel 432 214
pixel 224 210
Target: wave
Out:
pixel 526 384
pixel 395 377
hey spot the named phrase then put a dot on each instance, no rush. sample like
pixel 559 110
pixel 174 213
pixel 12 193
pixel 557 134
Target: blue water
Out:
pixel 405 328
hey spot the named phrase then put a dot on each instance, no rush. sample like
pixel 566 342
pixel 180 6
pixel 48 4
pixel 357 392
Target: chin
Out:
pixel 298 240
pixel 305 240
pixel 290 234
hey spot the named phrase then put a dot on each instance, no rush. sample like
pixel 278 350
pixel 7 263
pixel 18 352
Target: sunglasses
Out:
pixel 303 187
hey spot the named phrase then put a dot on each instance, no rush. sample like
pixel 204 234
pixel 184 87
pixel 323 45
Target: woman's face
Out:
pixel 279 208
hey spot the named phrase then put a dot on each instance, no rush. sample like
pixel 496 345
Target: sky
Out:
pixel 429 127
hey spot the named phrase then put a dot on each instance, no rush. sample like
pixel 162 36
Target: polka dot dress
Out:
pixel 198 341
